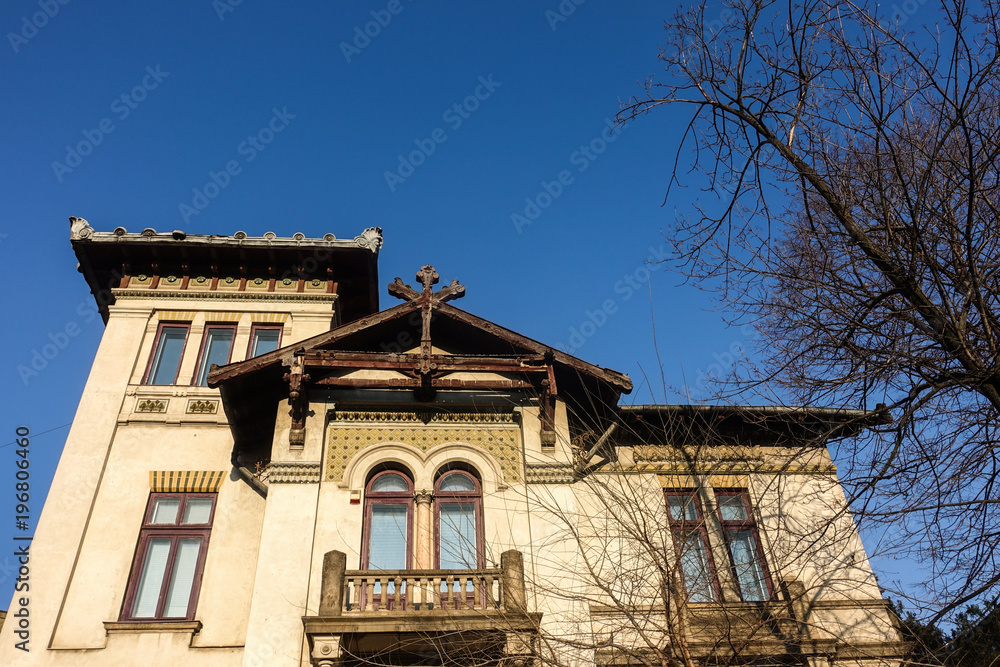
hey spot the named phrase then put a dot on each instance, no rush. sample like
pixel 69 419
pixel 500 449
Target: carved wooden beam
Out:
pixel 298 398
pixel 547 404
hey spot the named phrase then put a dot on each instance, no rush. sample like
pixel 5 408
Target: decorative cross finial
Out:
pixel 428 277
pixel 427 299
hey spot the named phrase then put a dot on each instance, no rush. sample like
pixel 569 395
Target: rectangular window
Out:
pixel 694 559
pixel 215 349
pixel 170 558
pixel 743 544
pixel 264 338
pixel 167 352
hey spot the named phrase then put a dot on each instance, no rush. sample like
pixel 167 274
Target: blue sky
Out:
pixel 477 136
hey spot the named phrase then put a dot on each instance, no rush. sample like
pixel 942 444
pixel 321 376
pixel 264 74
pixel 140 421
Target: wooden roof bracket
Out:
pixel 547 404
pixel 298 399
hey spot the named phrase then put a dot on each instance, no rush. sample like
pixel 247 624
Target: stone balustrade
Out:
pixel 421 590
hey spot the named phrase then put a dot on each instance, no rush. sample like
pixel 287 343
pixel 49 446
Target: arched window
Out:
pixel 388 522
pixel 458 521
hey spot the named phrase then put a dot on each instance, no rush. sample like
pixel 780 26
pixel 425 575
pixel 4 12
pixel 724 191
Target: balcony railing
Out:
pixel 389 591
pixel 414 590
pixel 448 610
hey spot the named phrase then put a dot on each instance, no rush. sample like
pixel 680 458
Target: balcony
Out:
pixel 420 613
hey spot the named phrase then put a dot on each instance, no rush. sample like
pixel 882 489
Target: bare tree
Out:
pixel 849 157
pixel 641 562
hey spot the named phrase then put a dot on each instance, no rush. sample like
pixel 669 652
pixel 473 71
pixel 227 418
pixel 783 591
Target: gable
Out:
pixel 424 345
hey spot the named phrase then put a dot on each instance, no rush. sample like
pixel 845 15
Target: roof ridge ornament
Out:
pixel 371 238
pixel 427 277
pixel 79 228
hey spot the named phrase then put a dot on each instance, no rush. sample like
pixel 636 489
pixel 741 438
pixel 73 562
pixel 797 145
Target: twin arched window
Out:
pixel 389 530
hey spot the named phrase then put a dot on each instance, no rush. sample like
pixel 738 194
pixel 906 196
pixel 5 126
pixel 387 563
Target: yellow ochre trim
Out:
pixel 175 315
pixel 270 318
pixel 222 317
pixel 190 481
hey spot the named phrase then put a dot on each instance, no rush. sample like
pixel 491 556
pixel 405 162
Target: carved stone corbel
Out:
pixel 519 649
pixel 326 651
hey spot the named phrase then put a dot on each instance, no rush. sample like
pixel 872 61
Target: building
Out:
pixel 266 469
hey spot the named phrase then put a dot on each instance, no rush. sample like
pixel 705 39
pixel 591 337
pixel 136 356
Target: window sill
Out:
pixel 136 627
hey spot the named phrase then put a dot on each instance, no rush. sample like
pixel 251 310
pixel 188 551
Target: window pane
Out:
pixel 695 567
pixel 458 536
pixel 682 508
pixel 182 577
pixel 197 510
pixel 167 359
pixel 456 481
pixel 388 483
pixel 264 340
pixel 731 508
pixel 749 573
pixel 218 340
pixel 387 540
pixel 154 564
pixel 165 510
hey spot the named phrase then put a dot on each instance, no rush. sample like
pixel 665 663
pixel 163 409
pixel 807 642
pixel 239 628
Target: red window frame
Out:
pixel 730 527
pixel 175 532
pixel 258 327
pixel 474 498
pixel 156 349
pixel 373 498
pixel 231 327
pixel 681 528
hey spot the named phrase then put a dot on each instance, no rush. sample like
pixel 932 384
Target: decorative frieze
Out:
pixel 549 473
pixel 297 472
pixel 725 467
pixel 233 295
pixel 715 453
pixel 425 417
pixel 151 405
pixel 350 432
pixel 198 407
